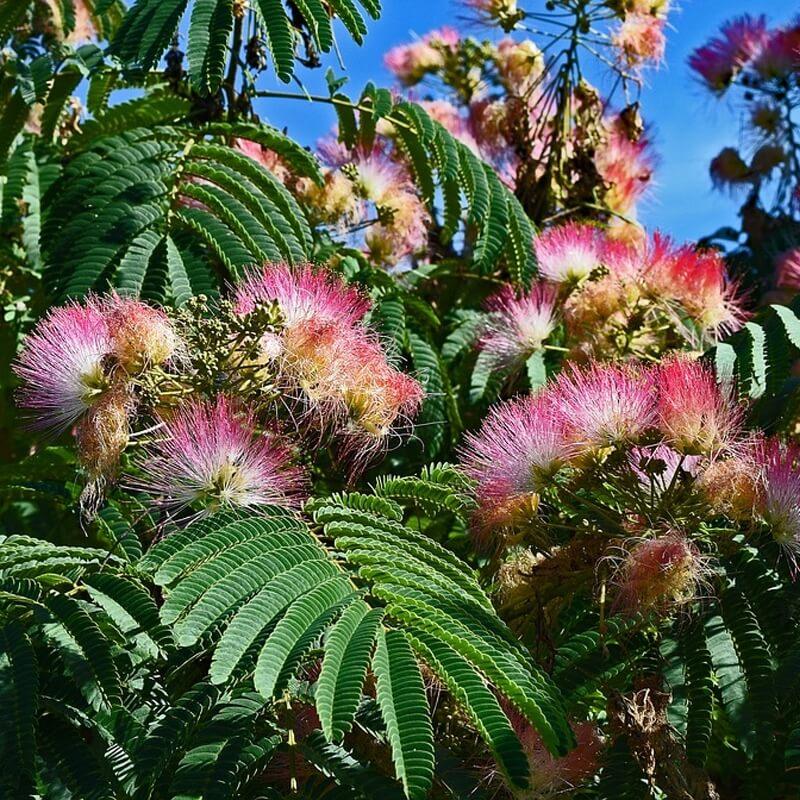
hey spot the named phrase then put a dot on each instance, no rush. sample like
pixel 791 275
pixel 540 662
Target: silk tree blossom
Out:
pixel 697 279
pixel 658 573
pixel 411 62
pixel 787 272
pixel 62 364
pixel 103 433
pixel 518 324
pixel 569 253
pixel 694 415
pixel 142 335
pixel 303 293
pixel 211 455
pixel 778 56
pixel 640 38
pixel 605 405
pixel 520 64
pixel 520 446
pixel 552 776
pixel 779 501
pixel 625 164
pixel 721 59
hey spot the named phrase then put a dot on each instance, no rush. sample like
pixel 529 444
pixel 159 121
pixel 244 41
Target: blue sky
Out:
pixel 688 126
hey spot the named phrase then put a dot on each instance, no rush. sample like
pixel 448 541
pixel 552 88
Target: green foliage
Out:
pixel 150 26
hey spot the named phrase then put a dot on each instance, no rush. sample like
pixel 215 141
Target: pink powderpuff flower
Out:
pixel 605 405
pixel 409 63
pixel 518 324
pixel 697 279
pixel 569 253
pixel 551 776
pixel 62 364
pixel 694 414
pixel 142 335
pixel 402 231
pixel 779 498
pixel 779 55
pixel 211 455
pixel 658 574
pixel 720 60
pixel 658 466
pixel 303 293
pixel 520 446
pixel 268 159
pixel 626 166
pixel 640 38
pixel 787 272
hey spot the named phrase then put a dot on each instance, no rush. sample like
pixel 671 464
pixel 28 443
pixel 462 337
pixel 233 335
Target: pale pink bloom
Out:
pixel 62 364
pixel 640 38
pixel 788 270
pixel 569 252
pixel 779 500
pixel 494 9
pixel 605 405
pixel 411 62
pixel 403 234
pixel 449 116
pixel 520 65
pixel 84 30
pixel 518 324
pixel 551 776
pixel 268 159
pixel 658 573
pixel 626 166
pixel 658 466
pixel 212 455
pixel 302 293
pixel 779 55
pixel 721 59
pixel 520 446
pixel 142 335
pixel 694 414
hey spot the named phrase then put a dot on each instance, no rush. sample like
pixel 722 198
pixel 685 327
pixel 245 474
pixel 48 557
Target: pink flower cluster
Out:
pixel 525 442
pixel 327 356
pixel 747 43
pixel 693 279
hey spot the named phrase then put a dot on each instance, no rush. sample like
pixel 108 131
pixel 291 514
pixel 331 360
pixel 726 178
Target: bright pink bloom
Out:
pixel 693 413
pixel 212 455
pixel 605 405
pixel 626 166
pixel 569 252
pixel 779 56
pixel 779 500
pixel 722 58
pixel 659 573
pixel 62 364
pixel 520 446
pixel 697 279
pixel 517 325
pixel 302 293
pixel 788 270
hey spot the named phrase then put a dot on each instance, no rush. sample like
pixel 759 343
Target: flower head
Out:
pixel 605 405
pixel 518 325
pixel 788 270
pixel 520 64
pixel 551 776
pixel 302 293
pixel 411 62
pixel 521 444
pixel 211 454
pixel 693 413
pixel 142 335
pixel 569 252
pixel 659 573
pixel 103 433
pixel 778 54
pixel 728 169
pixel 722 58
pixel 779 502
pixel 62 364
pixel 641 38
pixel 626 165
